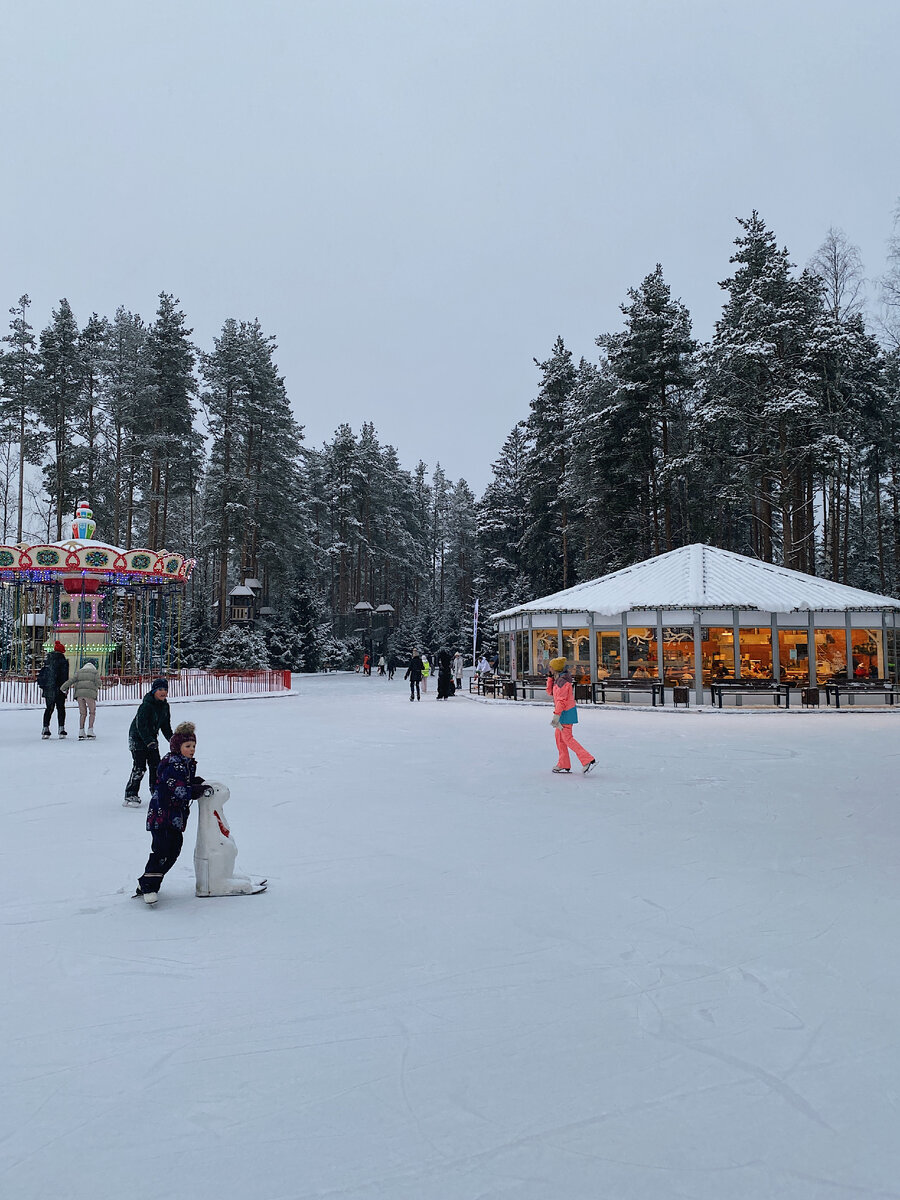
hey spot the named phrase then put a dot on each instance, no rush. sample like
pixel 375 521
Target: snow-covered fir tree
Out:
pixel 239 648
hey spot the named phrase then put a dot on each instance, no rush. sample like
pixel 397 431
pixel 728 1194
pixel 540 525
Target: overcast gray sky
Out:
pixel 417 196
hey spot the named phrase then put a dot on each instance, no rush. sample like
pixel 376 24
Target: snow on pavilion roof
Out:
pixel 700 576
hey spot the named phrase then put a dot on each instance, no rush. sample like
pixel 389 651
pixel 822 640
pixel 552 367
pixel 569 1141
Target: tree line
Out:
pixel 776 438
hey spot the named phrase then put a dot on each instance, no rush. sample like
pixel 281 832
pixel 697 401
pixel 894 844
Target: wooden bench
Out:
pixel 751 687
pixel 869 687
pixel 626 686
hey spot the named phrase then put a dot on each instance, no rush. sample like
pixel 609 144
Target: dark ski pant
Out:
pixel 142 757
pixel 165 848
pixel 414 689
pixel 59 703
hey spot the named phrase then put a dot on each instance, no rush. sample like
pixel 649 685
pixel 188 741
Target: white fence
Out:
pixel 21 690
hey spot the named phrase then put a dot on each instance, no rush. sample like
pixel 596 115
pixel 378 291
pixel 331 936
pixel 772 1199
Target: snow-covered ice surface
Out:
pixel 469 979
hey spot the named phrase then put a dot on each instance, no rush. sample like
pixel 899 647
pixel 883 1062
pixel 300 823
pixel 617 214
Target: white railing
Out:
pixel 25 690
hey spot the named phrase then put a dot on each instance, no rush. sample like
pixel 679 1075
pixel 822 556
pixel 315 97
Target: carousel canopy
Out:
pixel 700 576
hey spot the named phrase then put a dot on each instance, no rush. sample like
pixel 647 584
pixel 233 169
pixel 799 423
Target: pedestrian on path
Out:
pixel 414 675
pixel 52 675
pixel 560 688
pixel 84 687
pixel 151 718
pixel 457 667
pixel 177 784
pixel 445 679
pixel 426 671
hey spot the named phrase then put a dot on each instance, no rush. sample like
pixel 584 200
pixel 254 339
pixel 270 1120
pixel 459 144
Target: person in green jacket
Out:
pixel 151 718
pixel 426 671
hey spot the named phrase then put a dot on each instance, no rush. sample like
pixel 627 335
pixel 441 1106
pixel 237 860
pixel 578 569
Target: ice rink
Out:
pixel 470 979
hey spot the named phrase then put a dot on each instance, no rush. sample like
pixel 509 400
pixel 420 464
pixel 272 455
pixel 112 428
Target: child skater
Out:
pixel 177 784
pixel 565 715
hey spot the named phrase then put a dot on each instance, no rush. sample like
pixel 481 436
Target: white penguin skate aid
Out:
pixel 215 851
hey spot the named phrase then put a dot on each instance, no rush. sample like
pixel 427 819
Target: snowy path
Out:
pixel 470 978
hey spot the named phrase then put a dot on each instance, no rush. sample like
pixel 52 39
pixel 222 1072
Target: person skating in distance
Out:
pixel 560 688
pixel 414 675
pixel 51 677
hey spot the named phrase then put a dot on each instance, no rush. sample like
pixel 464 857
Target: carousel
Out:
pixel 120 609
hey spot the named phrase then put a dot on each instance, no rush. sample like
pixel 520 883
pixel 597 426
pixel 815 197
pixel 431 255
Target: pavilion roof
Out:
pixel 701 576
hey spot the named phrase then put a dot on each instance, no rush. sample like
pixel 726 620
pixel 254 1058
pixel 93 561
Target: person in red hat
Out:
pixel 52 675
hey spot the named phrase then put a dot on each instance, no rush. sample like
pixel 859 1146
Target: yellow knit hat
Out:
pixel 557 664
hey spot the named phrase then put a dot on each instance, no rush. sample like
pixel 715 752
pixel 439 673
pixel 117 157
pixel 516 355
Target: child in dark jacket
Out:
pixel 177 784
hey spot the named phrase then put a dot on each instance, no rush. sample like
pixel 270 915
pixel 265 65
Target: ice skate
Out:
pixel 81 735
pixel 131 802
pixel 45 733
pixel 62 733
pixel 151 897
pixel 91 735
pixel 589 766
pixel 560 770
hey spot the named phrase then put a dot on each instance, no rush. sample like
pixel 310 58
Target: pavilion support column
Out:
pixel 811 649
pixel 623 649
pixel 698 660
pixel 592 651
pixel 736 625
pixel 776 650
pixel 884 646
pixel 659 646
pixel 559 636
pixel 848 626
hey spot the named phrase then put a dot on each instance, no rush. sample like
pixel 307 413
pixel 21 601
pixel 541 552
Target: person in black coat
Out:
pixel 52 675
pixel 414 675
pixel 151 718
pixel 445 675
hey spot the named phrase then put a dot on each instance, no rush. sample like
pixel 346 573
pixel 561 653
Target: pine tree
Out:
pixel 129 399
pixel 19 369
pixel 90 413
pixel 59 391
pixel 547 553
pixel 501 519
pixel 758 411
pixel 169 422
pixel 239 649
pixel 652 365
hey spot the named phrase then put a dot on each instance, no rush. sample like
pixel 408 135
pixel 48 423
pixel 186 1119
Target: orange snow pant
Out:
pixel 565 741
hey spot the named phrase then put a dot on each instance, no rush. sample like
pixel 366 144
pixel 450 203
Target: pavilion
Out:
pixel 681 617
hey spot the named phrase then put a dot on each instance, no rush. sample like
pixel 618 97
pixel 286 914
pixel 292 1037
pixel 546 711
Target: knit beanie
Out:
pixel 159 683
pixel 185 732
pixel 557 664
pixel 59 648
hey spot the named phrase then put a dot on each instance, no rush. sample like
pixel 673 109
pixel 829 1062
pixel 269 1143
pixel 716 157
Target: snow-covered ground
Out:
pixel 470 978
